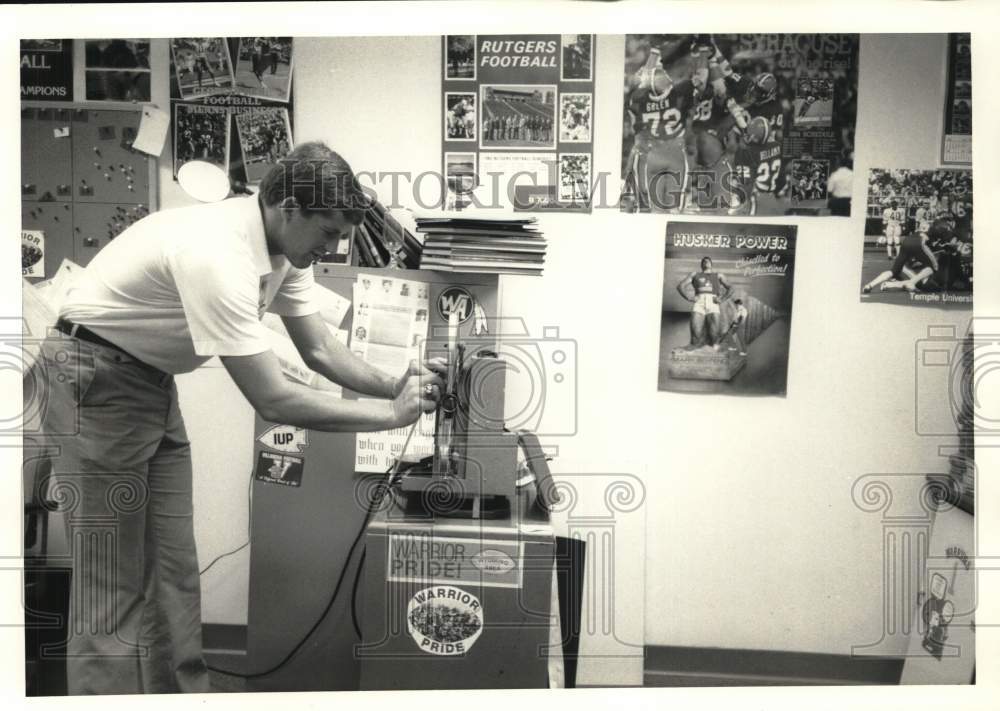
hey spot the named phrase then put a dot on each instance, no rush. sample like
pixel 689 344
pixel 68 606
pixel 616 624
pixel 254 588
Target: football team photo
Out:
pixel 518 116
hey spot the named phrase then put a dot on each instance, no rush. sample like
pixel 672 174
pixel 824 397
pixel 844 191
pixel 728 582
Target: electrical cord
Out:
pixel 236 550
pixel 373 505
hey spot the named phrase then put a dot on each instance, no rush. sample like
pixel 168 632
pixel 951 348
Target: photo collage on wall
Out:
pixel 230 103
pixel 737 124
pixel 725 321
pixel 518 121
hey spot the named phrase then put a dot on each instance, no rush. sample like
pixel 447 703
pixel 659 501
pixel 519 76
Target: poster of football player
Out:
pixel 460 57
pixel 460 116
pixel 957 147
pixel 201 66
pixel 725 321
pixel 265 136
pixel 200 133
pixel 712 122
pixel 575 118
pixel 514 101
pixel 574 177
pixel 264 67
pixel 918 238
pixel 808 182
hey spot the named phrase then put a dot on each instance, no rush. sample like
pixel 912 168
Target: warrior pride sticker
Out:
pixel 444 620
pixel 421 557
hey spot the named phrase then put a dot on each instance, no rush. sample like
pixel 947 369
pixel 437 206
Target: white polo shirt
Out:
pixel 183 285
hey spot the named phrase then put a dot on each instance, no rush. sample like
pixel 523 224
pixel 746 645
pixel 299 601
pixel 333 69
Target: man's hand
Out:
pixel 418 391
pixel 436 366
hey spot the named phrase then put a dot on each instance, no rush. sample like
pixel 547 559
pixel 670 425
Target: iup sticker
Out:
pixel 285 438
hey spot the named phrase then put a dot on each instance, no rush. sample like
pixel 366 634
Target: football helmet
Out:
pixel 764 89
pixel 757 130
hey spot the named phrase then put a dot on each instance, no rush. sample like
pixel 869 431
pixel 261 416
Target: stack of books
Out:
pixel 482 246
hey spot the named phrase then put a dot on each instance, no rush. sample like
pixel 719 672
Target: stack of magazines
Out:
pixel 482 246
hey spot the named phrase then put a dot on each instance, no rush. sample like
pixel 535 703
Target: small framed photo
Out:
pixel 202 66
pixel 264 67
pixel 808 179
pixel 574 177
pixel 460 179
pixel 813 105
pixel 265 137
pixel 460 57
pixel 577 58
pixel 576 118
pixel 460 116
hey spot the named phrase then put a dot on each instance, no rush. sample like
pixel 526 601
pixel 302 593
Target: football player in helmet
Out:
pixel 656 171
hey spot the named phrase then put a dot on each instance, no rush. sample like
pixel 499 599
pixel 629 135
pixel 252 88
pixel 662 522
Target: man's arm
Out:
pixel 684 284
pixel 725 285
pixel 333 360
pixel 277 399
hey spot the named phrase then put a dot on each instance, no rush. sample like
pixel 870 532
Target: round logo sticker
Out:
pixel 444 620
pixel 492 561
pixel 457 299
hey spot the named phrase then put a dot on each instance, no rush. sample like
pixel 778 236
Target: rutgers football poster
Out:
pixel 518 121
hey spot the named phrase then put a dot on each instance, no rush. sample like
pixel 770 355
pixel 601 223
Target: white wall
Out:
pixel 762 546
pixel 747 499
pixel 752 539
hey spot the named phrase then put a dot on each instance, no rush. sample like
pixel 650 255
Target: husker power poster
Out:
pixel 725 325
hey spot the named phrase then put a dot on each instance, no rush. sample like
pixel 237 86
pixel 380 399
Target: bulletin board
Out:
pixel 82 183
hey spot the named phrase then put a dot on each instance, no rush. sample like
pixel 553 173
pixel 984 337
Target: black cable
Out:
pixel 236 550
pixel 224 555
pixel 376 501
pixel 354 594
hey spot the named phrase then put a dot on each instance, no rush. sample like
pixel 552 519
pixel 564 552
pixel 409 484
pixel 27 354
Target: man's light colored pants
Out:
pixel 122 471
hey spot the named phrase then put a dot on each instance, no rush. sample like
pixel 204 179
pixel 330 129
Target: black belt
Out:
pixel 85 334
